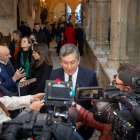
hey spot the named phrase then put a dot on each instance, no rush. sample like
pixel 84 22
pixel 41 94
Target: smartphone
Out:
pixel 27 81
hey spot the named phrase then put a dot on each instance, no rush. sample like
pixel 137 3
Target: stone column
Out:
pixel 92 20
pixel 87 20
pixel 73 18
pixel 119 9
pixel 87 15
pixel 51 17
pixel 102 15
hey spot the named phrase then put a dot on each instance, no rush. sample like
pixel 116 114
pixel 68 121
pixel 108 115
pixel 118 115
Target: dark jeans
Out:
pixel 86 132
pixel 80 47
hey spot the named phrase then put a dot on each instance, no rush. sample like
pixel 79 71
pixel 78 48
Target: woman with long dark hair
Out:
pixel 24 56
pixel 40 68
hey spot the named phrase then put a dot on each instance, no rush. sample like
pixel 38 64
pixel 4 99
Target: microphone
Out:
pixel 73 115
pixel 57 79
pixel 127 78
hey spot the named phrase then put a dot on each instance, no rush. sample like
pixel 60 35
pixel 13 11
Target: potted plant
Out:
pixel 43 14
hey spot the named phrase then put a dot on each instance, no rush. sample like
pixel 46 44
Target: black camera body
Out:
pixel 119 109
pixel 45 126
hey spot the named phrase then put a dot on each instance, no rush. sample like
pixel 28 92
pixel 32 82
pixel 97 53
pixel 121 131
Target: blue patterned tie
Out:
pixel 70 78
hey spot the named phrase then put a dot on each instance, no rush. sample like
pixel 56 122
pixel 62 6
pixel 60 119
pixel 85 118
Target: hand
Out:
pixel 92 101
pixel 18 74
pixel 37 105
pixel 78 125
pixel 38 96
pixel 78 107
pixel 22 80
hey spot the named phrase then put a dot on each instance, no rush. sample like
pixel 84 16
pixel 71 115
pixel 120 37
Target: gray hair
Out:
pixel 68 49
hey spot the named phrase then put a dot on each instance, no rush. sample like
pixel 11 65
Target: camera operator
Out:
pixel 86 117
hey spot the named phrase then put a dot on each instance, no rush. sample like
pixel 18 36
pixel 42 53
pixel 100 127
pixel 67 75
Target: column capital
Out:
pixel 91 1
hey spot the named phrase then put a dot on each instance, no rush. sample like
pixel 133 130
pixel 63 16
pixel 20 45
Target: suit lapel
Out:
pixel 61 75
pixel 80 77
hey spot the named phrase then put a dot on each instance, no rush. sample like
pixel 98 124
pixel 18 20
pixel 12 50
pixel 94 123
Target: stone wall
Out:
pixel 98 59
pixel 9 25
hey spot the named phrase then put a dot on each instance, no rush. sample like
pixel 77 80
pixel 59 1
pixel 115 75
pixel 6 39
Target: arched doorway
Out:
pixel 78 14
pixel 18 18
pixel 61 12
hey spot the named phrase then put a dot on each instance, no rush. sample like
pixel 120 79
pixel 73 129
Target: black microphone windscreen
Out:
pixel 126 77
pixel 73 115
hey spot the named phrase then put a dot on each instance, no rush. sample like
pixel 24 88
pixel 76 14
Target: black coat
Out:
pixel 48 34
pixel 17 59
pixel 53 31
pixel 42 73
pixel 79 35
pixel 41 37
pixel 24 30
pixel 12 51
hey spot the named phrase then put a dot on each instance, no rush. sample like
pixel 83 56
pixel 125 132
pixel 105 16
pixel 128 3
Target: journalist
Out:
pixel 86 116
pixel 12 103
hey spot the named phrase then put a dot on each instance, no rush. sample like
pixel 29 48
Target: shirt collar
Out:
pixel 74 75
pixel 3 62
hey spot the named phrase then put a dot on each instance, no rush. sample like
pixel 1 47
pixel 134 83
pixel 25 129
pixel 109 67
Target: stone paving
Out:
pixel 85 62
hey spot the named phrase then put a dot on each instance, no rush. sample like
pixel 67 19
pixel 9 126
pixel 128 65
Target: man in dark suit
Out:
pixel 47 33
pixel 41 37
pixel 71 71
pixel 8 77
pixel 23 29
pixel 14 45
pixel 79 38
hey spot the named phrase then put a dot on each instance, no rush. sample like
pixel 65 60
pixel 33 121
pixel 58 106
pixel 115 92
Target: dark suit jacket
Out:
pixel 85 77
pixel 12 51
pixel 41 37
pixel 79 35
pixel 7 81
pixel 24 30
pixel 47 33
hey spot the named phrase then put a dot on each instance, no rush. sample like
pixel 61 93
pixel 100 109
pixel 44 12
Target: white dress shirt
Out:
pixel 74 78
pixel 3 62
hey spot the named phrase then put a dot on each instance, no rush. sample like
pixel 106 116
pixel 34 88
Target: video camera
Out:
pixel 45 126
pixel 120 109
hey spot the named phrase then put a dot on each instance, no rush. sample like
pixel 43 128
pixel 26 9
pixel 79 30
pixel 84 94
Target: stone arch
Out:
pixel 75 6
pixel 54 3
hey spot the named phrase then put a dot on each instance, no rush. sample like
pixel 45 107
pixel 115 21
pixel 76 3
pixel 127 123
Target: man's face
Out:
pixel 70 63
pixel 37 28
pixel 48 24
pixel 91 93
pixel 121 85
pixel 5 55
pixel 16 37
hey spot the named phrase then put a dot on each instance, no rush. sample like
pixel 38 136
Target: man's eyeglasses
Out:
pixel 114 83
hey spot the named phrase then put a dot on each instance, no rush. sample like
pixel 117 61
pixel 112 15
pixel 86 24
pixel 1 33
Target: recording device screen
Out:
pixel 92 94
pixel 88 93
